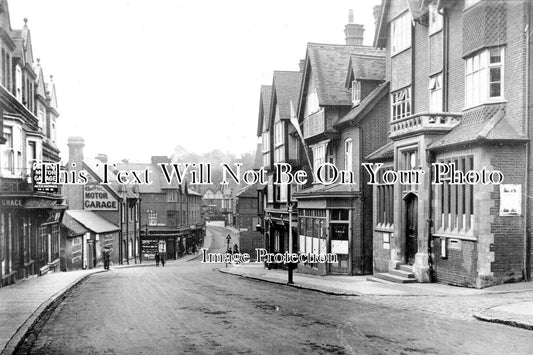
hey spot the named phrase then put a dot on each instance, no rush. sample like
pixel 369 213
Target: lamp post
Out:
pixel 290 264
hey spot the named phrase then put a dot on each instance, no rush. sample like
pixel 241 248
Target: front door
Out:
pixel 411 233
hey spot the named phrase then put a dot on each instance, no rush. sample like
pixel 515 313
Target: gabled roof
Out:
pixel 358 112
pixel 5 21
pixel 159 183
pixel 264 107
pixel 366 67
pixel 285 87
pixel 22 40
pixel 51 92
pixel 497 129
pixel 249 191
pixel 329 63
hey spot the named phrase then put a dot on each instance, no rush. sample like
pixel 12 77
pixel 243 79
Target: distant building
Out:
pixel 170 213
pixel 247 220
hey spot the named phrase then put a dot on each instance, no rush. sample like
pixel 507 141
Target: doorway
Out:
pixel 411 228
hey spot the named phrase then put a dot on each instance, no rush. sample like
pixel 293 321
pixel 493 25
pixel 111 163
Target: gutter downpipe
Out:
pixel 527 256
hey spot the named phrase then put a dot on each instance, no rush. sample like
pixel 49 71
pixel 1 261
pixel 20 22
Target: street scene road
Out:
pixel 190 307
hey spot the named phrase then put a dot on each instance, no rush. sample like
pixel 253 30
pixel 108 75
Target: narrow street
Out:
pixel 190 307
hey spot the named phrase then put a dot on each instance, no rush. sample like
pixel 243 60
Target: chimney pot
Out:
pixel 302 64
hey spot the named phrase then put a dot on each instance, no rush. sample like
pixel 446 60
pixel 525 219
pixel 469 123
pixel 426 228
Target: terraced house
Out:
pixel 30 216
pixel 460 94
pixel 342 110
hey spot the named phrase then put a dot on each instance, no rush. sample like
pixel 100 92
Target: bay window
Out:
pixel 12 151
pixel 401 33
pixel 484 77
pixel 401 103
pixel 311 103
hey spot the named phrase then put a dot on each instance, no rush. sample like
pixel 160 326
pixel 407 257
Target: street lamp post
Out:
pixel 290 264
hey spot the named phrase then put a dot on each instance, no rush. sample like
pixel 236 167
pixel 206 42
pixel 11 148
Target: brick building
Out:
pixel 30 216
pixel 169 212
pixel 247 220
pixel 460 81
pixel 279 146
pixel 109 212
pixel 342 109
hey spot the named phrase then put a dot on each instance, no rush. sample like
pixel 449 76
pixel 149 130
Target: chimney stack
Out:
pixel 75 150
pixel 302 64
pixel 102 158
pixel 354 32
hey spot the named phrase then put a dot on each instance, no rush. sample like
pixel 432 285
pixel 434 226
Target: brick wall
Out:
pixel 460 266
pixel 508 231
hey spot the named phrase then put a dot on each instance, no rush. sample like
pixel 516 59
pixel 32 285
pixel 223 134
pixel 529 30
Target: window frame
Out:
pixel 400 33
pixel 348 154
pixel 405 104
pixel 356 92
pixel 478 78
pixel 435 93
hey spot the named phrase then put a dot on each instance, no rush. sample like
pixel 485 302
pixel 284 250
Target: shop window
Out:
pixel 484 81
pixel 401 103
pixel 401 33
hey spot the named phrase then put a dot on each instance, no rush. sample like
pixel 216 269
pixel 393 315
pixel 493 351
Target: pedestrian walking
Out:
pixel 163 257
pixel 157 258
pixel 107 258
pixel 236 248
pixel 194 250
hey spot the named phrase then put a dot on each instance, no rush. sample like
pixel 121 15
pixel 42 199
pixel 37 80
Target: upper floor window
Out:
pixel 152 218
pixel 319 157
pixel 12 151
pixel 266 149
pixel 33 154
pixel 484 77
pixel 356 92
pixel 172 196
pixel 435 19
pixel 311 103
pixel 469 3
pixel 18 83
pixel 401 33
pixel 278 143
pixel 348 154
pixel 401 103
pixel 435 93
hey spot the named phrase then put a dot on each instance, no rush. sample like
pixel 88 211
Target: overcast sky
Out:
pixel 136 78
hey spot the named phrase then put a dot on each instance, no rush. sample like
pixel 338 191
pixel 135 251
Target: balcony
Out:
pixel 314 124
pixel 424 123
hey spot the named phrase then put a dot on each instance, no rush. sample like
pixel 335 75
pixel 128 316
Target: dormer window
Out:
pixel 356 92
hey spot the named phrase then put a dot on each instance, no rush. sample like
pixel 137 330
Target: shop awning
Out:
pixel 92 221
pixel 39 203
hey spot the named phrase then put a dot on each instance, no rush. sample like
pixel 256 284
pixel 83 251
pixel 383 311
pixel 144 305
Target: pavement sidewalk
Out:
pixel 22 304
pixel 514 314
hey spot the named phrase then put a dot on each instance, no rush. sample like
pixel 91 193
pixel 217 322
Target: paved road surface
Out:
pixel 191 307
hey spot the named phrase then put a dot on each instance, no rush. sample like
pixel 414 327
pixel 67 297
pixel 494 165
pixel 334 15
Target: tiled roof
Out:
pixel 329 62
pixel 286 87
pixel 74 227
pixel 497 128
pixel 365 67
pixel 264 100
pixel 249 190
pixel 159 183
pixel 384 153
pixel 368 103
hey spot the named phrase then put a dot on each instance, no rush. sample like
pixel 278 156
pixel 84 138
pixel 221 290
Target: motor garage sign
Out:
pixel 97 198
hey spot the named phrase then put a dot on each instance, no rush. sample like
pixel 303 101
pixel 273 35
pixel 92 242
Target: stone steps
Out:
pixel 394 278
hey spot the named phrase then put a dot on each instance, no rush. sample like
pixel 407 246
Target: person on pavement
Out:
pixel 107 257
pixel 157 257
pixel 163 257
